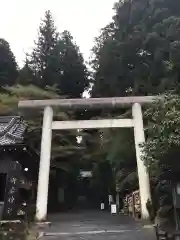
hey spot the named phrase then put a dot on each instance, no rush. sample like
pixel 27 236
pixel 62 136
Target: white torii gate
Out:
pixel 48 125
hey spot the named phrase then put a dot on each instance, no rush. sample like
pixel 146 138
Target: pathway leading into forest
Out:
pixel 95 225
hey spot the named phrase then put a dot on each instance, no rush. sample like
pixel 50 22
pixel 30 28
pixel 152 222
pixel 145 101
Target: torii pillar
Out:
pixel 139 138
pixel 44 168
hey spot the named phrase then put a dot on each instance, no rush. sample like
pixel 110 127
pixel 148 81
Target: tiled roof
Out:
pixel 11 130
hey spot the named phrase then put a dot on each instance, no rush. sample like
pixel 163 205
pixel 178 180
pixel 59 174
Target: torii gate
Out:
pixel 92 103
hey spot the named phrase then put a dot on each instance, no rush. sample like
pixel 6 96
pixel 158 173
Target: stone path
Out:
pixel 96 226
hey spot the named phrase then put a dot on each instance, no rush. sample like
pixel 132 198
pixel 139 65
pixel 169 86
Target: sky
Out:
pixel 20 20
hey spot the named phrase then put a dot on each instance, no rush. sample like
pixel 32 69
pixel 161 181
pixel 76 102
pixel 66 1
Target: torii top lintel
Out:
pixel 88 103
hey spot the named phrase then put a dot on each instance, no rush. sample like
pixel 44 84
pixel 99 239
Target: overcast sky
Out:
pixel 83 18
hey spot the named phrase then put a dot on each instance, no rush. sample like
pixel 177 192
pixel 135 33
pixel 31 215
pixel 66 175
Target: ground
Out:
pixel 95 225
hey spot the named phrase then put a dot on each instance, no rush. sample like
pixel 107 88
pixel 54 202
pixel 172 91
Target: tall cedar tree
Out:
pixel 8 65
pixel 138 53
pixel 56 60
pixel 74 75
pixel 44 58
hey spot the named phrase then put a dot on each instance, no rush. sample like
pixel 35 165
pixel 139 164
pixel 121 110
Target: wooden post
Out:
pixel 44 168
pixel 144 184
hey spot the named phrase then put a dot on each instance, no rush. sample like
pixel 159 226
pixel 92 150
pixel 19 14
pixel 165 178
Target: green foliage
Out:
pixel 162 146
pixel 126 181
pixel 26 76
pixel 121 154
pixel 11 95
pixel 137 53
pixel 161 150
pixel 32 92
pixel 74 79
pixel 45 58
pixel 8 65
pixel 56 61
